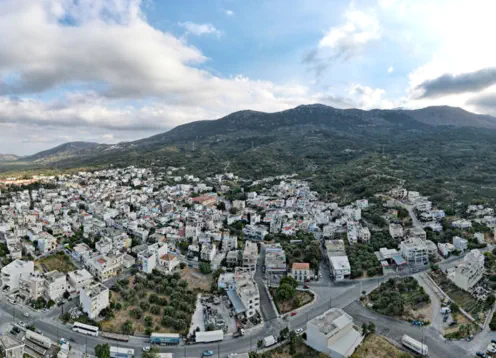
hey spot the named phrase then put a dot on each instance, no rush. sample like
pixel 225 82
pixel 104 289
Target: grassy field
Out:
pixel 375 346
pixel 301 298
pixel 60 262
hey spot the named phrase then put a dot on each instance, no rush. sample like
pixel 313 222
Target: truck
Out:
pixel 239 333
pixel 165 338
pixel 210 336
pixel 414 345
pixel 38 339
pixel 269 341
pixel 445 310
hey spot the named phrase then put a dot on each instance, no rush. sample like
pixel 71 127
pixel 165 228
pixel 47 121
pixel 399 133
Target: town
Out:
pixel 142 261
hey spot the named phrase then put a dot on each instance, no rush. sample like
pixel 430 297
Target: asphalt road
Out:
pixel 395 329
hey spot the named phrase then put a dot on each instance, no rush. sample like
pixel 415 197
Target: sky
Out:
pixel 109 71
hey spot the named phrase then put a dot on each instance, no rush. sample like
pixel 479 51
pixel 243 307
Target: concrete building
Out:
pixel 460 243
pixel 340 267
pixel 364 234
pixel 301 272
pixel 79 279
pixel 208 252
pixel 275 260
pixel 414 251
pixel 169 262
pixel 94 299
pixel 105 267
pixel 395 230
pixel 467 274
pixel 32 286
pixel 333 334
pixel 11 347
pixel 250 255
pixel 229 243
pixel 55 285
pixel 247 291
pixel 13 272
pixel 232 258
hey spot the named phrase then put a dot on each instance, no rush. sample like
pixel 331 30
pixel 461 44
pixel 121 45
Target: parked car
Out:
pixel 298 330
pixel 453 323
pixel 26 314
pixel 493 340
pixel 21 323
pixel 306 287
pixel 146 348
pixel 445 318
pixel 12 301
pixel 293 314
pixel 481 354
pixel 208 353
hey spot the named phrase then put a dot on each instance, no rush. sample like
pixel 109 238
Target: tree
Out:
pixel 127 327
pixel 283 334
pixel 365 329
pixel 260 343
pixel 102 351
pixel 371 327
pixel 152 353
pixel 205 268
pixel 490 300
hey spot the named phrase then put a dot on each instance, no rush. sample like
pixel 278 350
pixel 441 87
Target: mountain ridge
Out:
pixel 245 129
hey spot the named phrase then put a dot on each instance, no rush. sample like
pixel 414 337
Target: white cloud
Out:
pixel 369 98
pixel 199 29
pixel 458 50
pixel 228 12
pixel 390 69
pixel 344 41
pixel 359 29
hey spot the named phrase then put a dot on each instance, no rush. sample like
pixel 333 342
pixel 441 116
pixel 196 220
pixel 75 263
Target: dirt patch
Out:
pixel 301 299
pixel 196 280
pixel 423 313
pixel 60 262
pixel 375 346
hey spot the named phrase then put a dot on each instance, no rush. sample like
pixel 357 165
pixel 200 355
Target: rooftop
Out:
pixel 331 321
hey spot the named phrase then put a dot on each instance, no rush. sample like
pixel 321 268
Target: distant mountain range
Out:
pixel 8 157
pixel 350 149
pixel 259 126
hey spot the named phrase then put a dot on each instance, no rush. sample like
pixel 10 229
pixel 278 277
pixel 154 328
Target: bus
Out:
pixel 85 329
pixel 414 345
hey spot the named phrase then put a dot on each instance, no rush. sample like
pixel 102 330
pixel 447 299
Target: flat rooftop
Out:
pixel 332 320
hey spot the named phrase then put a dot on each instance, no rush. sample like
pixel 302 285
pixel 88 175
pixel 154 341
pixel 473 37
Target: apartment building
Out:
pixel 79 279
pixel 460 243
pixel 333 334
pixel 232 258
pixel 94 299
pixel 340 267
pixel 10 347
pixel 414 251
pixel 275 259
pixel 250 255
pixel 364 234
pixel 208 252
pixel 229 243
pixel 395 230
pixel 247 291
pixel 32 286
pixel 13 272
pixel 55 285
pixel 105 267
pixel 467 274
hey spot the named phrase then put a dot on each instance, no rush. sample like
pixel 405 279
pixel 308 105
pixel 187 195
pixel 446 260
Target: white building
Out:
pixel 467 274
pixel 414 251
pixel 229 243
pixel 445 249
pixel 94 299
pixel 55 285
pixel 332 333
pixel 462 224
pixel 250 255
pixel 11 347
pixel 79 279
pixel 340 267
pixel 13 272
pixel 395 230
pixel 247 291
pixel 479 237
pixel 105 267
pixel 364 234
pixel 460 243
pixel 169 262
pixel 208 252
